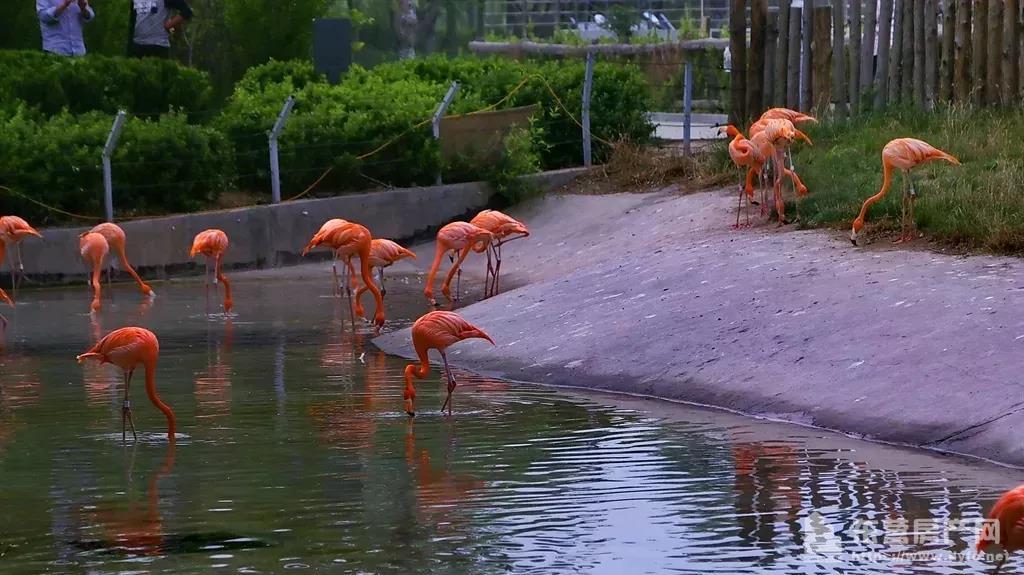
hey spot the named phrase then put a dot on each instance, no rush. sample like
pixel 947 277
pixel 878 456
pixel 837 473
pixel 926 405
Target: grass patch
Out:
pixel 640 169
pixel 978 206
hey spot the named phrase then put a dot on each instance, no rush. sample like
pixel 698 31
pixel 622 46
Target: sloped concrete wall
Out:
pixel 266 236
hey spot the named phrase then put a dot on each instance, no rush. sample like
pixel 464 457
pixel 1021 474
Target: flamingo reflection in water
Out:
pixel 438 490
pixel 213 385
pixel 138 530
pixel 767 481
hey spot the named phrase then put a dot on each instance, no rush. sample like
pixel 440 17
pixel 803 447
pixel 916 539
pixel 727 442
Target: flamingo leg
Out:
pixel 497 268
pixel 490 272
pixel 334 270
pixel 451 384
pixel 903 211
pixel 911 222
pixel 126 409
pixel 348 297
pixel 21 265
pixel 739 204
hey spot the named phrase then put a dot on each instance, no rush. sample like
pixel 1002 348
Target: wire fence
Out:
pixel 368 163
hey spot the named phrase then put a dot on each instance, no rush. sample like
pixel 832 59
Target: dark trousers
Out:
pixel 148 51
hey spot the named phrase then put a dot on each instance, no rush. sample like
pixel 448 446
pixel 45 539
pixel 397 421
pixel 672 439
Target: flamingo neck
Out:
pixel 421 371
pixel 886 181
pixel 153 397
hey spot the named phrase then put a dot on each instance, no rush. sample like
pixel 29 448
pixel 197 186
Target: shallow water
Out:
pixel 294 454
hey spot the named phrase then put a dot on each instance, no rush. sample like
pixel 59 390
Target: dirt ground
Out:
pixel 655 294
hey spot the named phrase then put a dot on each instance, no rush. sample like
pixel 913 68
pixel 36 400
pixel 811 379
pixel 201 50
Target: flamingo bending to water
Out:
pixel 116 239
pixel 1008 517
pixel 128 348
pixel 904 154
pixel 436 330
pixel 777 136
pixel 94 249
pixel 383 254
pixel 347 240
pixel 505 228
pixel 212 244
pixel 14 230
pixel 455 237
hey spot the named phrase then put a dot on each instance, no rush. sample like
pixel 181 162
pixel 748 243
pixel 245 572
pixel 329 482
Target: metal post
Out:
pixel 108 151
pixel 275 167
pixel 588 83
pixel 687 104
pixel 436 120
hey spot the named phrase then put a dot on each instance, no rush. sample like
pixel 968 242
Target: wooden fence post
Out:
pixel 822 53
pixel 867 56
pixel 855 53
pixel 931 52
pixel 896 54
pixel 919 53
pixel 962 52
pixel 782 53
pixel 1011 52
pixel 771 40
pixel 993 68
pixel 839 57
pixel 884 40
pixel 946 59
pixel 806 73
pixel 907 79
pixel 756 58
pixel 979 51
pixel 793 60
pixel 738 71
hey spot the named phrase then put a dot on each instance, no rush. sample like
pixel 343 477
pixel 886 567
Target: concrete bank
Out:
pixel 271 235
pixel 656 295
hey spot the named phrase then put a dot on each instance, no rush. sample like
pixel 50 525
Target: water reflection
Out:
pixel 441 496
pixel 299 452
pixel 213 384
pixel 133 528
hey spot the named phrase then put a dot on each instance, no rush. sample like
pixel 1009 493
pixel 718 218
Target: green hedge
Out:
pixel 160 166
pixel 332 125
pixel 55 114
pixel 50 84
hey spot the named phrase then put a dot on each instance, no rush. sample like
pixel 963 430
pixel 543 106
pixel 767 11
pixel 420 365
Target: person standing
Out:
pixel 60 22
pixel 152 23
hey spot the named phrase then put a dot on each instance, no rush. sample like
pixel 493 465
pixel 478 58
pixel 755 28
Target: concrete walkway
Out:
pixel 655 294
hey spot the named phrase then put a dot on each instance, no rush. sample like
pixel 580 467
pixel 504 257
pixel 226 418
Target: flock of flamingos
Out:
pixel 767 148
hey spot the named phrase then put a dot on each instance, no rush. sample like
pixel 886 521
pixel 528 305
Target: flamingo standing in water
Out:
pixel 436 330
pixel 94 249
pixel 347 240
pixel 383 254
pixel 904 154
pixel 455 237
pixel 13 230
pixel 505 228
pixel 128 348
pixel 212 244
pixel 116 239
pixel 1008 517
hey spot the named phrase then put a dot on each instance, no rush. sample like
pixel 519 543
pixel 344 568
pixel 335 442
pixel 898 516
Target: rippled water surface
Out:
pixel 295 454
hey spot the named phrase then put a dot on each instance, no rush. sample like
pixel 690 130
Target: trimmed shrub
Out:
pixel 93 83
pixel 159 166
